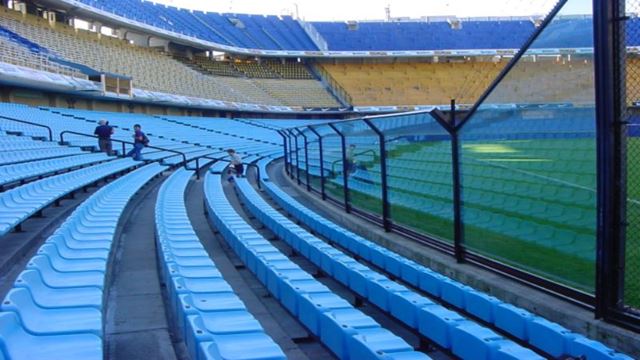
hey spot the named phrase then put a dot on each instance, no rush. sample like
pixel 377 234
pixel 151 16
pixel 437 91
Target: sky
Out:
pixel 337 10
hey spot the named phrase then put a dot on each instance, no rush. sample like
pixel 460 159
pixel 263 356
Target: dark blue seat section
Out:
pixel 251 31
pixel 421 35
pixel 208 315
pixel 474 34
pixel 549 337
pixel 18 204
pixel 346 331
pixel 19 172
pixel 55 308
pixel 413 309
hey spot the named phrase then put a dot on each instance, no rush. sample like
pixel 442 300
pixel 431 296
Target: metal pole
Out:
pixel 386 207
pixel 306 157
pixel 457 186
pixel 345 169
pixel 610 183
pixel 295 138
pixel 291 174
pixel 322 179
pixel 284 143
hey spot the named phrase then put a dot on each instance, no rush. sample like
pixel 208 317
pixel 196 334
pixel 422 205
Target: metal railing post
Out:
pixel 345 168
pixel 306 157
pixel 291 174
pixel 386 206
pixel 322 178
pixel 249 165
pixel 295 138
pixel 286 160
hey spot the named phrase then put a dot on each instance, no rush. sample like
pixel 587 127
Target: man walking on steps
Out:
pixel 103 131
pixel 140 140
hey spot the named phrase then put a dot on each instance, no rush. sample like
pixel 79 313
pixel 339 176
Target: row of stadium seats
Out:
pixel 153 70
pixel 418 35
pixel 346 331
pixel 16 54
pixel 56 305
pixel 38 168
pixel 438 83
pixel 284 33
pixel 241 30
pixel 162 131
pixel 466 339
pixel 22 202
pixel 413 83
pixel 209 316
pixel 549 337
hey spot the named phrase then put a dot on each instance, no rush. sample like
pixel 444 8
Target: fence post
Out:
pixel 322 190
pixel 386 207
pixel 345 168
pixel 284 143
pixel 608 16
pixel 295 138
pixel 306 157
pixel 457 185
pixel 291 174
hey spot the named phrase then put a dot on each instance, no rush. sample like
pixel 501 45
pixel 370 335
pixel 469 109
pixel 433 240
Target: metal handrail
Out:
pixel 31 123
pixel 197 160
pixel 123 142
pixel 257 172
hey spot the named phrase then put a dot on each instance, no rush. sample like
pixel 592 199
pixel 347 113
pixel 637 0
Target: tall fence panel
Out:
pixel 362 156
pixel 419 173
pixel 529 159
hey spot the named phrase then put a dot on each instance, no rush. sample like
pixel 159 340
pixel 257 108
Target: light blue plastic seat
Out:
pixel 373 343
pixel 18 344
pixel 249 346
pixel 66 277
pixel 60 297
pixel 338 325
pixel 52 321
pixel 437 323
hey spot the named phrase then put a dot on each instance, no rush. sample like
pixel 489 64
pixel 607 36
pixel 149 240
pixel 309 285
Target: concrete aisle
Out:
pixel 136 324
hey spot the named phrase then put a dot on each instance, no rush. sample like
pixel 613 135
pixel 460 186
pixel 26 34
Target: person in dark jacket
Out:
pixel 103 131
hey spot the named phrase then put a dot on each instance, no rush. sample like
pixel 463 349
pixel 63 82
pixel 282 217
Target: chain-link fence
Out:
pixel 630 150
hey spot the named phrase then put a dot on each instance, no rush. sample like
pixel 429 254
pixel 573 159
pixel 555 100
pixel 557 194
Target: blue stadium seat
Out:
pixel 18 344
pixel 208 315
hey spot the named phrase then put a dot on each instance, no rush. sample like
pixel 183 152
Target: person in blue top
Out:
pixel 140 140
pixel 103 131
